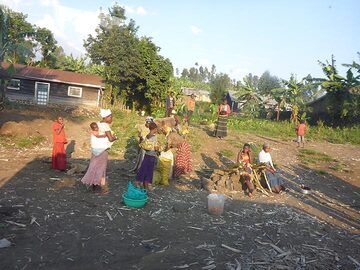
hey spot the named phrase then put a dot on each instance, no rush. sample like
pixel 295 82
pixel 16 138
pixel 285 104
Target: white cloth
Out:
pixel 98 145
pixel 265 157
pixel 102 143
pixel 105 112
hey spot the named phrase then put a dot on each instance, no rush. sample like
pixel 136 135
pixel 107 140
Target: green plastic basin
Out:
pixel 134 203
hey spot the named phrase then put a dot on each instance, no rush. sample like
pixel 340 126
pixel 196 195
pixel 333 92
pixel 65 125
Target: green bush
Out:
pixel 286 130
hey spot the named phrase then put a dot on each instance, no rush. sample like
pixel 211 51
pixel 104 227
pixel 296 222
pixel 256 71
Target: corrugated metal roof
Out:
pixel 52 75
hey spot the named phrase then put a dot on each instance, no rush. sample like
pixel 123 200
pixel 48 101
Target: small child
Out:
pixel 145 174
pixel 96 140
pixel 300 132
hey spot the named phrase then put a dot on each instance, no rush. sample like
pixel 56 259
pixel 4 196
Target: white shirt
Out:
pixel 265 157
pixel 101 143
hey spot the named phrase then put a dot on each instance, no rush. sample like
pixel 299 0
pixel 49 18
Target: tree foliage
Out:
pixel 132 65
pixel 16 36
pixel 219 87
pixel 343 95
pixel 248 94
pixel 267 82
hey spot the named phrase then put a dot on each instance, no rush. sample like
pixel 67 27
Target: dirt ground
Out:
pixel 54 222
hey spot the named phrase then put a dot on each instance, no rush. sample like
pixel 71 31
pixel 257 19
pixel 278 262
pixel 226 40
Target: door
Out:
pixel 42 93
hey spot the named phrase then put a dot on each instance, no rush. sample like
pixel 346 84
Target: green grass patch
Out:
pixel 286 130
pixel 308 156
pixel 227 153
pixel 322 172
pixel 21 142
pixel 194 141
pixel 124 126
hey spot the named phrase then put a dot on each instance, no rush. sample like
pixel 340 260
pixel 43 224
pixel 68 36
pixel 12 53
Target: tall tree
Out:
pixel 267 82
pixel 130 63
pixel 219 86
pixel 17 35
pixel 47 45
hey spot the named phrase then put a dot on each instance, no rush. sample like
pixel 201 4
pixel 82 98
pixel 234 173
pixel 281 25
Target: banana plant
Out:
pixel 248 92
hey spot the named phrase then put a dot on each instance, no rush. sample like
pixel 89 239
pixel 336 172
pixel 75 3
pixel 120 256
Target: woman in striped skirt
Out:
pixel 224 112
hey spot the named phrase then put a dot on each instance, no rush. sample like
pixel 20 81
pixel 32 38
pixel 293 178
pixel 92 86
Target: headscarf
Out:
pixel 105 112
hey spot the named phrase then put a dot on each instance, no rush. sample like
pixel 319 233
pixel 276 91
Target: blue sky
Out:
pixel 239 37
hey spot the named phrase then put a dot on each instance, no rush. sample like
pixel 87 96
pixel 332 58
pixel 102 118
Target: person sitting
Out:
pixel 276 184
pixel 244 159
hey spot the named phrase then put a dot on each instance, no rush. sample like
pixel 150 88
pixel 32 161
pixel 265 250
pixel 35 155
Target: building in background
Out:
pixel 43 86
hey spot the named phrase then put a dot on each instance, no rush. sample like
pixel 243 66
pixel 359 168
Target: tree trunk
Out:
pixel 278 112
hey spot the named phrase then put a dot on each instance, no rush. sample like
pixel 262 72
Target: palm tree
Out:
pixel 291 93
pixel 71 63
pixel 247 91
pixel 341 102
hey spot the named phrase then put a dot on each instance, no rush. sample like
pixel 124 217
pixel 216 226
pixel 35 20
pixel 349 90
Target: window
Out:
pixel 14 84
pixel 75 91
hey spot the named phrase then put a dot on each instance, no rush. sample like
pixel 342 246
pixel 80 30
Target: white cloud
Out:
pixel 48 3
pixel 195 30
pixel 15 4
pixel 140 10
pixel 69 25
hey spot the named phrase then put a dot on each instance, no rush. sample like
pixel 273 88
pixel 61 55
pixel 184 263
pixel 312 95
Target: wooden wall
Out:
pixel 58 94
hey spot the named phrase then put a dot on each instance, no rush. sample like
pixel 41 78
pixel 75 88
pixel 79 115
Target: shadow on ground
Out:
pixel 73 228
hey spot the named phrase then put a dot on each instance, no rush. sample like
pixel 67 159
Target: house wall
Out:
pixel 26 92
pixel 58 94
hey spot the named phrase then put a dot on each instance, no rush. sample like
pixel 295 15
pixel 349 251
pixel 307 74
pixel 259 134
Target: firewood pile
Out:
pixel 226 180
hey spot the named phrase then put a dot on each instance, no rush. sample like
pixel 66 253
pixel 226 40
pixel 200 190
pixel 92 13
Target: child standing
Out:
pixel 145 174
pixel 300 132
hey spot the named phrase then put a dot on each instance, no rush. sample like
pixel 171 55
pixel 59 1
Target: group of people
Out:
pixel 151 149
pixel 244 159
pixel 102 138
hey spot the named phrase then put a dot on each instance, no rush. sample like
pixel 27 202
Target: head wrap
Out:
pixel 105 112
pixel 266 145
pixel 149 119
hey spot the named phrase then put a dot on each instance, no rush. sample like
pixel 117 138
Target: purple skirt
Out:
pixel 146 171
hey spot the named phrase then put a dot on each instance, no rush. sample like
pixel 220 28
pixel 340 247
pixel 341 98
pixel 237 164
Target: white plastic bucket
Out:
pixel 216 203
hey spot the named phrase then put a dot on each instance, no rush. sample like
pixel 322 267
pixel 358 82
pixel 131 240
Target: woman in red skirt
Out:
pixel 59 141
pixel 183 163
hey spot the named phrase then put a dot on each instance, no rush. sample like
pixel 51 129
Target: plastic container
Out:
pixel 216 204
pixel 134 203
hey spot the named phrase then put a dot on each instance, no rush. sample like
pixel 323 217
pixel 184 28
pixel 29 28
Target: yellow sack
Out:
pixel 164 170
pixel 156 177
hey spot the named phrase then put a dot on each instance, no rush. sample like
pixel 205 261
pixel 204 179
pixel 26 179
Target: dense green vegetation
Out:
pixel 138 77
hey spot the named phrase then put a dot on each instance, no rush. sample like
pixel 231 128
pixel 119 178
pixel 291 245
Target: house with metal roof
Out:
pixel 43 86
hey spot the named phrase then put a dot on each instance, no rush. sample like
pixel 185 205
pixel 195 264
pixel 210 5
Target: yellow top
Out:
pixel 143 130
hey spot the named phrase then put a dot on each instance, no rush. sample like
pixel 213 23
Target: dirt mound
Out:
pixel 25 128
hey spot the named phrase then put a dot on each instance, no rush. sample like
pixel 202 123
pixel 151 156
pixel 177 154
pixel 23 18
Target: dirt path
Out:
pixel 71 228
